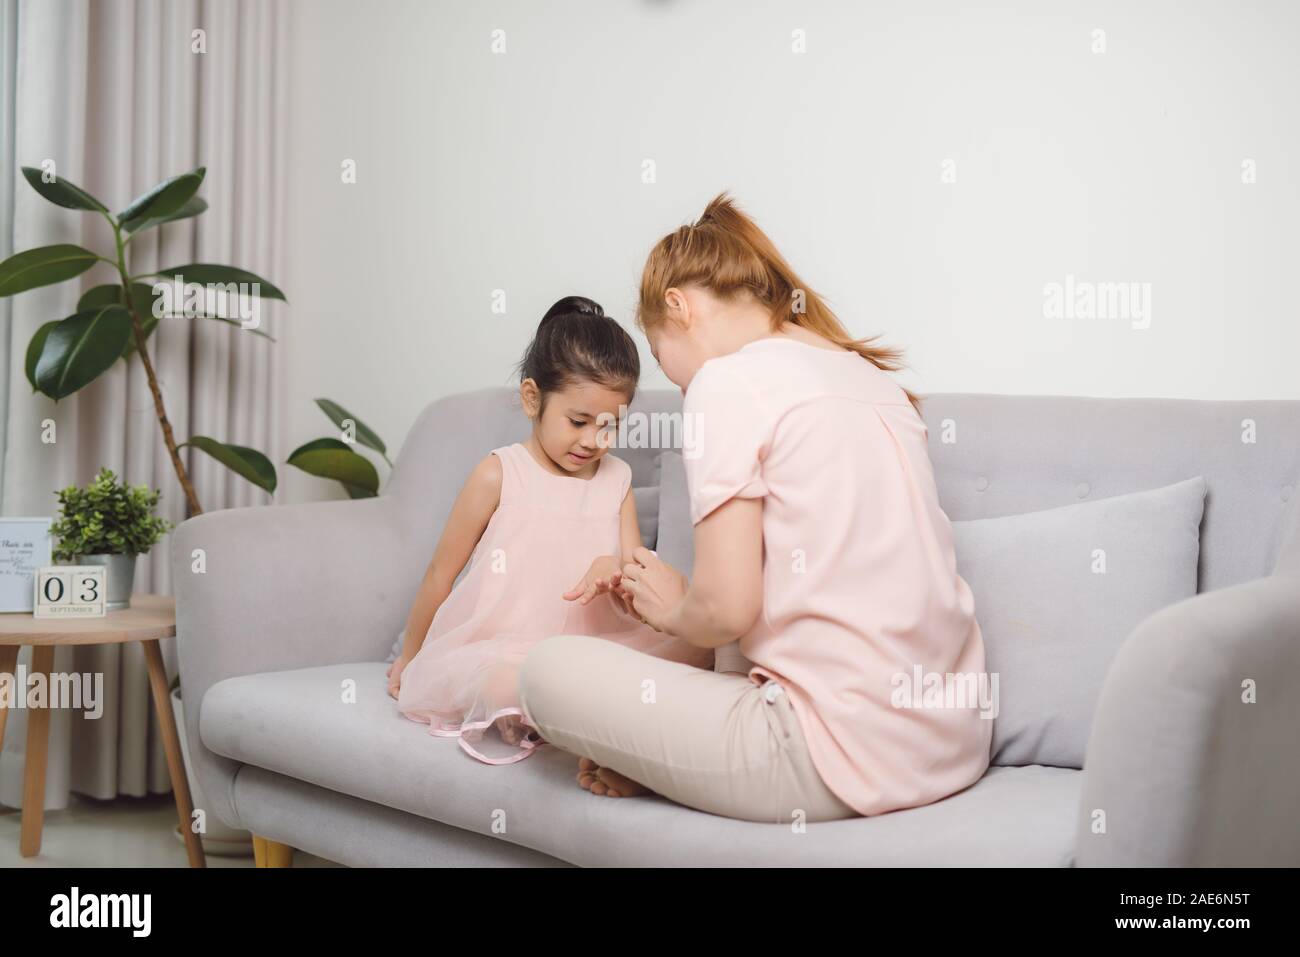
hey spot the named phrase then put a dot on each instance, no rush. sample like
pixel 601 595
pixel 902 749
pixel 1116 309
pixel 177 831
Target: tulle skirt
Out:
pixel 469 689
pixel 471 692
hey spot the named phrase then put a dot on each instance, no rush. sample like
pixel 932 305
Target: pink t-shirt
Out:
pixel 861 596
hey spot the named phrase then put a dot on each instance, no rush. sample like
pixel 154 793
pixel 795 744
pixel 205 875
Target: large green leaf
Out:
pixel 142 296
pixel 334 459
pixel 34 349
pixel 205 273
pixel 192 207
pixel 81 347
pixel 165 198
pixel 365 435
pixel 43 266
pixel 61 192
pixel 110 294
pixel 245 462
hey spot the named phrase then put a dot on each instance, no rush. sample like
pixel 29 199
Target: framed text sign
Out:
pixel 24 547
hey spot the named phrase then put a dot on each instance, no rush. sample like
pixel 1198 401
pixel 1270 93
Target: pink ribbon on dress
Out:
pixel 526 746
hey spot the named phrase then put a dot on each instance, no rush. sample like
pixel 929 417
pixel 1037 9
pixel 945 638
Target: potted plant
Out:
pixel 108 523
pixel 114 322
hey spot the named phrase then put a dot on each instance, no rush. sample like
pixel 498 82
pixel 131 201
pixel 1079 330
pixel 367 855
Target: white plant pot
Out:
pixel 220 839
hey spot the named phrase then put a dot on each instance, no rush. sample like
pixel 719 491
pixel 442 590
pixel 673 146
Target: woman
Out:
pixel 819 544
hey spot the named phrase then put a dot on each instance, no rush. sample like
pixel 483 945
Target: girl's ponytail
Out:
pixel 572 306
pixel 726 253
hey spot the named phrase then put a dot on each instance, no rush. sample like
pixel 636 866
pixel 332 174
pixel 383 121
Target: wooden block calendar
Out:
pixel 71 591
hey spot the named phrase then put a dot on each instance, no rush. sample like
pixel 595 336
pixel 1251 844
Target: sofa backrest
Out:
pixel 1016 454
pixel 993 455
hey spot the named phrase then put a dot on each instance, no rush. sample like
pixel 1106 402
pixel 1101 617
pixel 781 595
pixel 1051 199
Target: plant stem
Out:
pixel 137 328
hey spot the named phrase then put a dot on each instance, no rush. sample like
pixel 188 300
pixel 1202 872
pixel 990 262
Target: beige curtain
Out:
pixel 119 96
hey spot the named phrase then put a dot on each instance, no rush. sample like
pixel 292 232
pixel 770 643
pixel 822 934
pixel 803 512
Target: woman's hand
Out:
pixel 603 576
pixel 654 586
pixel 395 674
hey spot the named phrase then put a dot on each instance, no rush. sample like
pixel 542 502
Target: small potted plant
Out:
pixel 108 523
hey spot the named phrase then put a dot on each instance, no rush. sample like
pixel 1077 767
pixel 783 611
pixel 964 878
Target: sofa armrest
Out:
pixel 1180 768
pixel 274 588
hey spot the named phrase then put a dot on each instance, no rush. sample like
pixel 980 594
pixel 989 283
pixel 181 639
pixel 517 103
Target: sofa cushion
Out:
pixel 646 500
pixel 1056 593
pixel 1051 623
pixel 336 727
pixel 676 533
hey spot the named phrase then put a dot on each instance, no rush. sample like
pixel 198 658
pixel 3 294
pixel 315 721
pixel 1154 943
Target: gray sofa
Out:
pixel 282 638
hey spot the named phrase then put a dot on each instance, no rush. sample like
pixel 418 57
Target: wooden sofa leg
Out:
pixel 278 855
pixel 268 853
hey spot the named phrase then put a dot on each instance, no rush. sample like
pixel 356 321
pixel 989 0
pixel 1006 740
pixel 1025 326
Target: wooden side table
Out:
pixel 149 618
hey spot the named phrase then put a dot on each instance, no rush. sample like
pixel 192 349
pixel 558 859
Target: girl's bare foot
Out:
pixel 607 781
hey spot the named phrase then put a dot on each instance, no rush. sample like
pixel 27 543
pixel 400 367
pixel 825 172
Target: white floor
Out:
pixel 126 832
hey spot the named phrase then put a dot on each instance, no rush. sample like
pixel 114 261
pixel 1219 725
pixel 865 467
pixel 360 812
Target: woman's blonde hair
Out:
pixel 726 253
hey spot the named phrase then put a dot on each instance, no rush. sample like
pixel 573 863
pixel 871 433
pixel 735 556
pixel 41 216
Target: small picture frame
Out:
pixel 25 546
pixel 71 591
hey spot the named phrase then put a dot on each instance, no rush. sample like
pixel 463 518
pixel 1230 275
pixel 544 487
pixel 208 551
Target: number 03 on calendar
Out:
pixel 70 591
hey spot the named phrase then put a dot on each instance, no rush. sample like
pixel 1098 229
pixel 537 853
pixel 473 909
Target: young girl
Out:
pixel 549 522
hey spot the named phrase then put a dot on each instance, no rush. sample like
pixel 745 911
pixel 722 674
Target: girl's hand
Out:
pixel 654 586
pixel 395 674
pixel 603 576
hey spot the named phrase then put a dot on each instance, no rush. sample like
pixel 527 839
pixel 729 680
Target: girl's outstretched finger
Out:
pixel 629 592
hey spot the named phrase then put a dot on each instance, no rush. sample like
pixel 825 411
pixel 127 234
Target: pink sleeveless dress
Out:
pixel 540 541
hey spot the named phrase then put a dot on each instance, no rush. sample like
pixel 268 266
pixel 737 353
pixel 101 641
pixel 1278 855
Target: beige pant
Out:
pixel 716 742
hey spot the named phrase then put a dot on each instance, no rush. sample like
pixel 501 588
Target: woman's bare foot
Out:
pixel 607 781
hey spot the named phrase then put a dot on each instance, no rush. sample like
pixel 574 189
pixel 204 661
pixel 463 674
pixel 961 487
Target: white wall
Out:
pixel 522 171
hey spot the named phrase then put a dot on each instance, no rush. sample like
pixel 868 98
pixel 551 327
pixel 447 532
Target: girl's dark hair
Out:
pixel 577 342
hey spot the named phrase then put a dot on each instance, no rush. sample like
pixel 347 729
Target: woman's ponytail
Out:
pixel 725 252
